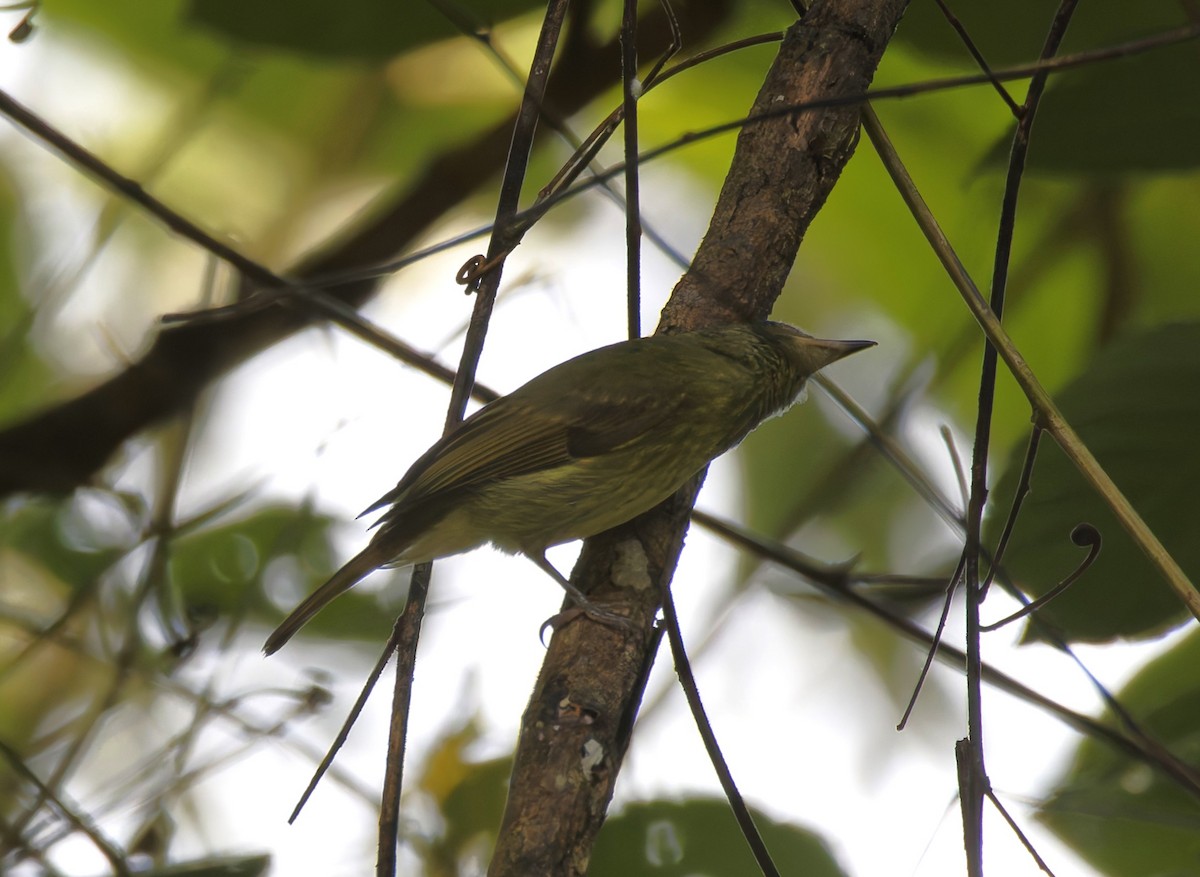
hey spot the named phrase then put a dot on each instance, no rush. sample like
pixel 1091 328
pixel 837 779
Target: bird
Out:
pixel 583 447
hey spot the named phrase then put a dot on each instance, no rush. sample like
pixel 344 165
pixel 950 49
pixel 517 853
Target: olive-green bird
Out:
pixel 585 446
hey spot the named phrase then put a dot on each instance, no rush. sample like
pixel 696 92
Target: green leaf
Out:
pixel 39 529
pixel 238 552
pixel 25 379
pixel 360 30
pixel 700 836
pixel 1137 409
pixel 472 810
pixel 1014 32
pixel 468 794
pixel 1139 115
pixel 143 33
pixel 1124 817
pixel 237 567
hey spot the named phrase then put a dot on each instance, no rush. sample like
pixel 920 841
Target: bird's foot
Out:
pixel 591 611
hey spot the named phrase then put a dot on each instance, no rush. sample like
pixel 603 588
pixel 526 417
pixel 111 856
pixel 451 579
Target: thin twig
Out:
pixel 1014 509
pixel 687 682
pixel 951 587
pixel 1083 535
pixel 407 633
pixel 1021 71
pixel 558 191
pixel 506 236
pixel 956 461
pixel 630 92
pixel 1166 760
pixel 351 717
pixel 977 55
pixel 584 152
pixel 276 287
pixel 1047 410
pixel 974 782
pixel 1021 836
pixel 107 848
pixel 836 582
pixel 133 191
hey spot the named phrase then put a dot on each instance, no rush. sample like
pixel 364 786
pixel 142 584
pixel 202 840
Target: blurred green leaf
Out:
pixel 1160 227
pixel 803 445
pixel 360 30
pixel 1141 114
pixel 473 809
pixel 1133 114
pixel 1014 32
pixel 700 836
pixel 230 568
pixel 1125 818
pixel 1137 409
pixel 35 528
pixel 236 553
pixel 325 116
pixel 468 794
pixel 24 375
pixel 141 32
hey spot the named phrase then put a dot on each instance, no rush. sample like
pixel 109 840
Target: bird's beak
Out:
pixel 821 352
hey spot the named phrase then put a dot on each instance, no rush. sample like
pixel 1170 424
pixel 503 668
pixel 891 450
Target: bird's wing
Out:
pixel 509 438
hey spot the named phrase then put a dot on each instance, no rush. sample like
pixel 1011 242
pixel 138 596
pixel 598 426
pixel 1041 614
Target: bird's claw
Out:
pixel 590 611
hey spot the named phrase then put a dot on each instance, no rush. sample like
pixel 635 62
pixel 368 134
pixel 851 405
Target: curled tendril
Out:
pixel 474 268
pixel 1085 536
pixel 468 275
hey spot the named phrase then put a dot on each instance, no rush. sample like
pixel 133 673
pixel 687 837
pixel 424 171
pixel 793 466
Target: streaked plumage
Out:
pixel 583 447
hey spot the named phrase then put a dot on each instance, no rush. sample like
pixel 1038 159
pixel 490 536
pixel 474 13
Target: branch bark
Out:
pixel 577 727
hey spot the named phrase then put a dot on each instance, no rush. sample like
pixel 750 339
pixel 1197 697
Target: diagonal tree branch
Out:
pixel 577 726
pixel 62 447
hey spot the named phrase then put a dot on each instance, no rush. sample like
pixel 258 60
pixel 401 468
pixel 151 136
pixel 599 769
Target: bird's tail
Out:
pixel 343 580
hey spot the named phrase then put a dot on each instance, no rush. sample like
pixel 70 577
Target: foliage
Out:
pixel 123 606
pixel 1126 819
